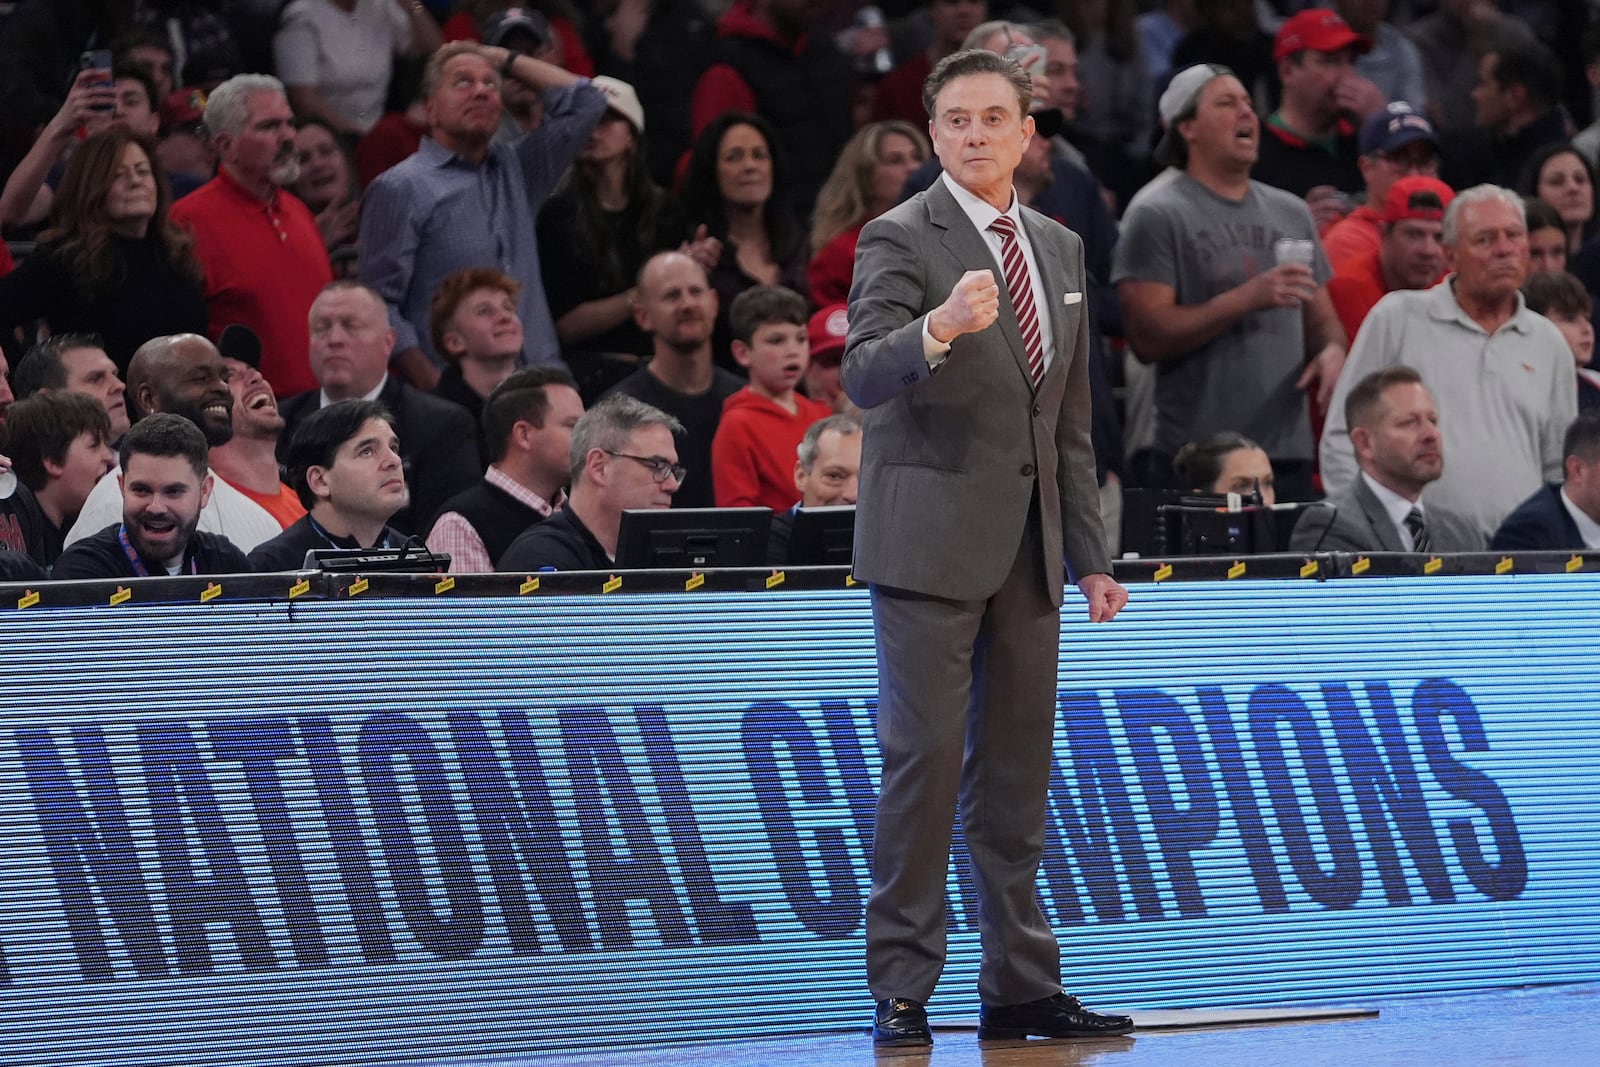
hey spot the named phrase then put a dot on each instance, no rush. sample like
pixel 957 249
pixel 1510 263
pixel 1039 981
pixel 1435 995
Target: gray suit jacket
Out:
pixel 1358 523
pixel 950 459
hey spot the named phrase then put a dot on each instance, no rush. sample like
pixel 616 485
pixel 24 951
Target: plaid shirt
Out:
pixel 452 532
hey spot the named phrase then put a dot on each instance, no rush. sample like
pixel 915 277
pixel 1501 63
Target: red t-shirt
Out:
pixel 264 263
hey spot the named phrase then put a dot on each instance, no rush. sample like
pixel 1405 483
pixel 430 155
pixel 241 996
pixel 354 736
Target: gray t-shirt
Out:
pixel 1178 232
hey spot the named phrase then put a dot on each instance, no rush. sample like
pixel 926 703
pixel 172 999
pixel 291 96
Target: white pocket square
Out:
pixel 1072 298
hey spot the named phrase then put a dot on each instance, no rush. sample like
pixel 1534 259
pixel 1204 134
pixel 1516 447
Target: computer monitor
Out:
pixel 823 536
pixel 1202 525
pixel 693 538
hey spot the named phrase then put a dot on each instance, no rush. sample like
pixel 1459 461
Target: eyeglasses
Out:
pixel 660 469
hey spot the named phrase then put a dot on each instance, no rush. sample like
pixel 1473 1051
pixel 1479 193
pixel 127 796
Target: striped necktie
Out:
pixel 1419 530
pixel 1021 290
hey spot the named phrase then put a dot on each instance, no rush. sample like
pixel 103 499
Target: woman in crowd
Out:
pixel 328 185
pixel 110 263
pixel 866 181
pixel 736 188
pixel 1558 175
pixel 1225 462
pixel 606 218
pixel 1547 238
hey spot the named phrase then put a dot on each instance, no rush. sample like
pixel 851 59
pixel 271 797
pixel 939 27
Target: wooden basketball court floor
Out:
pixel 1550 1026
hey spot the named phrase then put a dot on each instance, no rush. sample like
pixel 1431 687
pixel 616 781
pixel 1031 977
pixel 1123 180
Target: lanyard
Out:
pixel 136 561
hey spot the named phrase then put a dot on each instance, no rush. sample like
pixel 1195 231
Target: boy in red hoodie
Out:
pixel 753 454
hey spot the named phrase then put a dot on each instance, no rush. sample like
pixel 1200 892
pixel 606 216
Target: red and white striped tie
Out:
pixel 1021 290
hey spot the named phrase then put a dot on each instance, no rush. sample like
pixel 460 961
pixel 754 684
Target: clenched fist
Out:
pixel 972 305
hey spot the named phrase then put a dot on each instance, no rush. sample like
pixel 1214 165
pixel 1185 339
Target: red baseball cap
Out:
pixel 1398 205
pixel 1317 30
pixel 827 331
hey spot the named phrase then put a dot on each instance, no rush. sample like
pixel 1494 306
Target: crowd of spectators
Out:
pixel 382 256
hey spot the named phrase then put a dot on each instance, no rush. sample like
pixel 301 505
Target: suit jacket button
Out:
pixel 1027 470
pixel 1036 411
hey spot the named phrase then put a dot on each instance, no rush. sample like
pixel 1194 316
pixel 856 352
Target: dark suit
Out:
pixel 974 489
pixel 1355 521
pixel 438 444
pixel 1540 522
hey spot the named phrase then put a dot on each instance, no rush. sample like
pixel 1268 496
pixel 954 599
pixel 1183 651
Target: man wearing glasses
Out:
pixel 623 457
pixel 1396 143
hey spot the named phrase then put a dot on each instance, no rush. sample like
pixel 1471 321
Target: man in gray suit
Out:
pixel 1394 430
pixel 968 351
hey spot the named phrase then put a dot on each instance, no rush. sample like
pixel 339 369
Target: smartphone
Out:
pixel 1032 58
pixel 98 59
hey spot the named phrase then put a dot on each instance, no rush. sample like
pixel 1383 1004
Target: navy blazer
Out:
pixel 1540 522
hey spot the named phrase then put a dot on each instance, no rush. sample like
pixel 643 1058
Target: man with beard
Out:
pixel 249 461
pixel 345 463
pixel 165 483
pixel 675 304
pixel 1394 429
pixel 184 375
pixel 258 244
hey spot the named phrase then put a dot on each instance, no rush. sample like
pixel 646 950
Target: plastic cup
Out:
pixel 1293 250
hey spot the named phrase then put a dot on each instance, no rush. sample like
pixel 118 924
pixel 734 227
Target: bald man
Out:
pixel 183 375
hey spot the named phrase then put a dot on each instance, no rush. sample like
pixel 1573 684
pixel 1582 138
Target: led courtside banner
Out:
pixel 391 831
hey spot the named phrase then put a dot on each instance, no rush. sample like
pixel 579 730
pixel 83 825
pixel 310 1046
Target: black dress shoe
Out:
pixel 900 1022
pixel 1057 1016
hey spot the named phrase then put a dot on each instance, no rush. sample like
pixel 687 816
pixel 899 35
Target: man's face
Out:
pixel 1490 256
pixel 1583 485
pixel 485 326
pixel 91 373
pixel 157 62
pixel 676 302
pixel 1412 253
pixel 979 133
pixel 366 478
pixel 161 501
pixel 1579 332
pixel 87 460
pixel 631 483
pixel 953 19
pixel 1382 169
pixel 465 106
pixel 1224 128
pixel 833 475
pixel 1547 251
pixel 550 445
pixel 262 150
pixel 1311 80
pixel 1492 111
pixel 132 107
pixel 1402 440
pixel 255 409
pixel 1062 69
pixel 350 342
pixel 193 382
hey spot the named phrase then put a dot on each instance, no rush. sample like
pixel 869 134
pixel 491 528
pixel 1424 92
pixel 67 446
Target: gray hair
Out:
pixel 1052 30
pixel 1478 194
pixel 811 443
pixel 228 105
pixel 608 425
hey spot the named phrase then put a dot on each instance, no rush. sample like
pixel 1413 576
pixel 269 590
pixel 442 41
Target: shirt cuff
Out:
pixel 934 351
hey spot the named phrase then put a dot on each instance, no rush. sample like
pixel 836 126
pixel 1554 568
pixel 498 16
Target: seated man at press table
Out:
pixel 1563 517
pixel 1394 431
pixel 827 471
pixel 165 481
pixel 623 457
pixel 344 462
